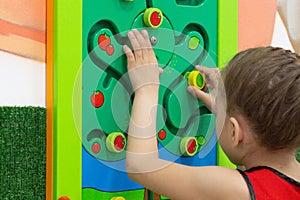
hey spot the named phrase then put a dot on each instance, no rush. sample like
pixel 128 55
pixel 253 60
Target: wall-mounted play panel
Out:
pixel 90 34
pixel 183 33
pixel 185 127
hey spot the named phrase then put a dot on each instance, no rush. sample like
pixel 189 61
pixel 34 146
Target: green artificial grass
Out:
pixel 298 155
pixel 22 153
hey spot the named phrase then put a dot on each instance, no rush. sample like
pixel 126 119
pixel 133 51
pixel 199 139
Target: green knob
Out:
pixel 193 43
pixel 201 140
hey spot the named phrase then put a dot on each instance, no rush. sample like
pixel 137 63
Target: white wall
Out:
pixel 280 38
pixel 22 81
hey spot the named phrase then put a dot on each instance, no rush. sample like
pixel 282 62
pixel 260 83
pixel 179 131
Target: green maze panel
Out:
pixel 92 33
pixel 179 41
pixel 184 124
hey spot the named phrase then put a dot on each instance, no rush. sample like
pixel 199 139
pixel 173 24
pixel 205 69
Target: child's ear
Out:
pixel 237 134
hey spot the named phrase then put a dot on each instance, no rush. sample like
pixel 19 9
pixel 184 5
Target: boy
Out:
pixel 261 127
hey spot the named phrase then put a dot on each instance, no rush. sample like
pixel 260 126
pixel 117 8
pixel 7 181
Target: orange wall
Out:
pixel 256 23
pixel 22 28
pixel 30 13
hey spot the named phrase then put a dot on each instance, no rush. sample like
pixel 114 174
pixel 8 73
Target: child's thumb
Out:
pixel 204 97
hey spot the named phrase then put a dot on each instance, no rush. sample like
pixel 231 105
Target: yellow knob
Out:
pixel 117 198
pixel 197 79
pixel 153 17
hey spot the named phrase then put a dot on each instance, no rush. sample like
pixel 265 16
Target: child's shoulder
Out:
pixel 265 182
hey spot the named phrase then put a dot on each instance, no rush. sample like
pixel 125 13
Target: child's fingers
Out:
pixel 142 43
pixel 204 97
pixel 146 38
pixel 212 75
pixel 129 55
pixel 151 53
pixel 160 70
pixel 206 70
pixel 140 38
pixel 135 45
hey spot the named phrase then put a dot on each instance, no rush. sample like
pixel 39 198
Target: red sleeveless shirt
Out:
pixel 266 183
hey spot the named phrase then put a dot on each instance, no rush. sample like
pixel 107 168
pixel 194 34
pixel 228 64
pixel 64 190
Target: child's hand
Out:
pixel 142 63
pixel 212 77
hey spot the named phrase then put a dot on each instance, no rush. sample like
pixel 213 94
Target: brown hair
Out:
pixel 263 84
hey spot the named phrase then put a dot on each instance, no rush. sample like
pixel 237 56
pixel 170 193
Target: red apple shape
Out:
pixel 97 99
pixel 103 41
pixel 119 143
pixel 191 146
pixel 110 50
pixel 155 18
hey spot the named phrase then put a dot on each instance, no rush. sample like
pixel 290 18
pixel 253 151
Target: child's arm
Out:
pixel 289 11
pixel 143 164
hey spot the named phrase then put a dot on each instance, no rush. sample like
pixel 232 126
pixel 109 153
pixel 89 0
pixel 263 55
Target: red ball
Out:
pixel 64 198
pixel 97 99
pixel 162 134
pixel 96 147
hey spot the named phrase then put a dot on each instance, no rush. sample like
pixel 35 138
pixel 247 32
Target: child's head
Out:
pixel 263 85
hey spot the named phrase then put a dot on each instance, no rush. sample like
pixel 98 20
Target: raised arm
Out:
pixel 143 164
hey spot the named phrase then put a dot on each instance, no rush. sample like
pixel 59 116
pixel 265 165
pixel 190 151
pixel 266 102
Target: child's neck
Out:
pixel 282 160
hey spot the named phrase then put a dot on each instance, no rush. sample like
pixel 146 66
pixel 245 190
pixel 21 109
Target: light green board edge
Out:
pixel 67 62
pixel 228 47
